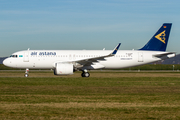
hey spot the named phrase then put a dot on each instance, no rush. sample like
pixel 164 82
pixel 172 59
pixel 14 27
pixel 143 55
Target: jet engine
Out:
pixel 63 69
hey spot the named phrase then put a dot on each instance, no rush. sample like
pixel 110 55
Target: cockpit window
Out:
pixel 14 56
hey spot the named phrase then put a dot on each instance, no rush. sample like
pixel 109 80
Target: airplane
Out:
pixel 66 62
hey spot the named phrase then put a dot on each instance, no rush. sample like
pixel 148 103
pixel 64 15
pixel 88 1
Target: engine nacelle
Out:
pixel 63 69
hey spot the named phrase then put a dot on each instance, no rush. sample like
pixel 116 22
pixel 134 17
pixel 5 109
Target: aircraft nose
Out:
pixel 6 62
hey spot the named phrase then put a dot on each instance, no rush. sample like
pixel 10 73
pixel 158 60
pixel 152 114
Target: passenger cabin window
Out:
pixel 14 56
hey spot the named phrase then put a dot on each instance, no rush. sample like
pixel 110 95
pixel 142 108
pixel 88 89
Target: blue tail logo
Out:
pixel 160 39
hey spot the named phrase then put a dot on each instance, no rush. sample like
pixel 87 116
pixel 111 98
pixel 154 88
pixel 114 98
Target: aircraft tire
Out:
pixel 26 75
pixel 85 74
pixel 82 75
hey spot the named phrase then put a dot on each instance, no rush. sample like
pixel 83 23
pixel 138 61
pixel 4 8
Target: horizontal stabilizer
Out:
pixel 165 55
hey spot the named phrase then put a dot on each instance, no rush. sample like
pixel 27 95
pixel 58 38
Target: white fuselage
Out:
pixel 46 59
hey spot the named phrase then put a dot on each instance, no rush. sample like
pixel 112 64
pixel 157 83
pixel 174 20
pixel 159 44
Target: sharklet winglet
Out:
pixel 115 49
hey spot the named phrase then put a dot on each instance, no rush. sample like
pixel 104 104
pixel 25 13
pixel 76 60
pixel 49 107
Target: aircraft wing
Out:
pixel 88 61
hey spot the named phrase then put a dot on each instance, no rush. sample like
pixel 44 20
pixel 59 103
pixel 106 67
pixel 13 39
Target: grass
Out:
pixel 90 98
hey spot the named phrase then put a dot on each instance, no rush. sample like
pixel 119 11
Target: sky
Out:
pixel 85 24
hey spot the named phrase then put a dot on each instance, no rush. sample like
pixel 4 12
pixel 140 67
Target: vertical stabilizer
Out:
pixel 160 39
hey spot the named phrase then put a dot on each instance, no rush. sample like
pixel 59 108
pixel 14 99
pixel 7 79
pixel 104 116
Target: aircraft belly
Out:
pixel 116 63
pixel 34 64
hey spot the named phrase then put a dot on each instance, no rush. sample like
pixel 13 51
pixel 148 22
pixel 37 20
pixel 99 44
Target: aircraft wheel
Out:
pixel 82 75
pixel 85 74
pixel 26 75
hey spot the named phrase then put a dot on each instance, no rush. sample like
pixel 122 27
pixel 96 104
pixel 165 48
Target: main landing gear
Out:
pixel 26 73
pixel 85 73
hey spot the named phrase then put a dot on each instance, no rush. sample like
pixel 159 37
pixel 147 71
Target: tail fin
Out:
pixel 159 41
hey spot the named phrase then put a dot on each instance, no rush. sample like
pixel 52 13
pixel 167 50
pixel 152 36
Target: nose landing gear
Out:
pixel 26 73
